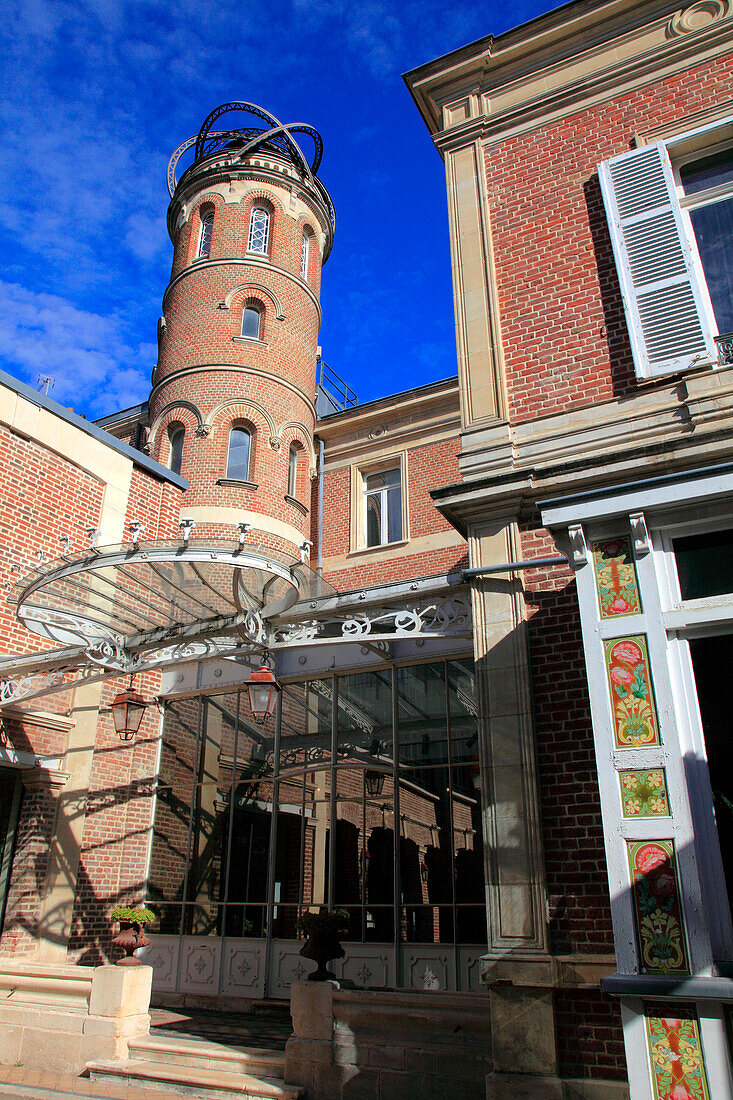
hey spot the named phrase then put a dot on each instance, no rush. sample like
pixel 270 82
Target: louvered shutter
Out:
pixel 663 299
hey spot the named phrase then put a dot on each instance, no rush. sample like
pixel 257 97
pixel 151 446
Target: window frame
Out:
pixel 359 474
pixel 688 203
pixel 305 254
pixel 675 149
pixel 207 223
pixel 179 431
pixel 293 463
pixel 252 307
pixel 259 208
pixel 247 430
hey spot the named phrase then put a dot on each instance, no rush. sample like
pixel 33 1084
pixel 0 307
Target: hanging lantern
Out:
pixel 127 712
pixel 263 688
pixel 374 783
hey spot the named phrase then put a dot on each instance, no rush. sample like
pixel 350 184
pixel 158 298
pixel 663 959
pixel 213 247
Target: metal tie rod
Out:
pixel 511 566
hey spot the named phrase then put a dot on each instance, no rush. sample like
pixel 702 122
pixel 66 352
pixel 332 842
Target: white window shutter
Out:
pixel 663 299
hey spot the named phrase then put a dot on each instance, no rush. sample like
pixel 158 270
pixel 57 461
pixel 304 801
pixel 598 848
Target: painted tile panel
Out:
pixel 675 1050
pixel 644 793
pixel 658 914
pixel 616 582
pixel 632 694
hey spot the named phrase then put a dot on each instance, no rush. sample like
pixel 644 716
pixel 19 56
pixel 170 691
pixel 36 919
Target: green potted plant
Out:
pixel 132 920
pixel 323 931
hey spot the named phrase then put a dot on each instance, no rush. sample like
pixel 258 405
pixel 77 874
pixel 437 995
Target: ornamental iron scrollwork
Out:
pixel 447 617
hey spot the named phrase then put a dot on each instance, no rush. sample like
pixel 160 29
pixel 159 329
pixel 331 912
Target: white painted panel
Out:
pixel 243 967
pixel 162 955
pixel 200 961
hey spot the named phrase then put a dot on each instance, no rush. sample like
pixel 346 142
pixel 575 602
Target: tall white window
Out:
pixel 670 216
pixel 304 251
pixel 238 455
pixel 382 507
pixel 707 185
pixel 292 470
pixel 176 436
pixel 251 322
pixel 259 230
pixel 207 228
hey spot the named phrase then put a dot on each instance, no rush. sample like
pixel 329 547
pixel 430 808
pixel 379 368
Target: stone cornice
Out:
pixel 565 61
pixel 683 423
pixel 41 719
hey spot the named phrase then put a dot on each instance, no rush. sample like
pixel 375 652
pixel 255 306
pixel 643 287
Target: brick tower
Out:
pixel 232 404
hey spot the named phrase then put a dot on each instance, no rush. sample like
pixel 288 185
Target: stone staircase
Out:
pixel 183 1064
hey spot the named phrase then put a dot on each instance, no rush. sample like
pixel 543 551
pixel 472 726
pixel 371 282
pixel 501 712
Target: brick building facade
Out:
pixel 499 695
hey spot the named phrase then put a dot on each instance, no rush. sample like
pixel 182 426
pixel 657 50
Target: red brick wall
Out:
pixel 563 329
pixel 428 467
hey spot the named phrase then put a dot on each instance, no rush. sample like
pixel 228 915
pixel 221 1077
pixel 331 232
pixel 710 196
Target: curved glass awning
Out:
pixel 133 596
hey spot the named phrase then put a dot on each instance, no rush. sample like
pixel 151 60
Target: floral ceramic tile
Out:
pixel 657 909
pixel 644 793
pixel 678 1067
pixel 616 582
pixel 632 694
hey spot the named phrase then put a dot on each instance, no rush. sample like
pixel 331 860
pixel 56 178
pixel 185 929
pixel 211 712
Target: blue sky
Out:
pixel 98 94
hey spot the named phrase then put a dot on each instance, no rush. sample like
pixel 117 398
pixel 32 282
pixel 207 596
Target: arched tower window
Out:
pixel 304 251
pixel 207 228
pixel 176 435
pixel 252 321
pixel 238 455
pixel 293 471
pixel 259 230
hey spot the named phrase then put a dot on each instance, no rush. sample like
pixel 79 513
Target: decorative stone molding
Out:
pixel 203 430
pixel 48 779
pixel 698 17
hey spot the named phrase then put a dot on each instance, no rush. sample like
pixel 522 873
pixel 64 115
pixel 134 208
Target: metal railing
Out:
pixel 725 349
pixel 338 394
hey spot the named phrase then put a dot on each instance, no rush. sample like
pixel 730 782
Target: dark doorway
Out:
pixel 712 661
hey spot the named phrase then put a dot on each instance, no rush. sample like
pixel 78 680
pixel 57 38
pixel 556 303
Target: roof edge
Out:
pixel 90 428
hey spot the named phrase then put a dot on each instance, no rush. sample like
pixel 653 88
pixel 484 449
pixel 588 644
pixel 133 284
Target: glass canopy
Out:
pixel 135 594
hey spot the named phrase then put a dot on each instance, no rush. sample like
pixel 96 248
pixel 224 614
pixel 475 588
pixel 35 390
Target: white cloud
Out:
pixel 84 352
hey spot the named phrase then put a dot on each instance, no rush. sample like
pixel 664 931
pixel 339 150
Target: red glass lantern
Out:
pixel 263 688
pixel 127 712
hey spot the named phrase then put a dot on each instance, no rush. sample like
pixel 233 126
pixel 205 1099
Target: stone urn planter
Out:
pixel 132 921
pixel 323 933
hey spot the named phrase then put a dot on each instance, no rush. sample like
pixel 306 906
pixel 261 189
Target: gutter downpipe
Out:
pixel 512 566
pixel 321 449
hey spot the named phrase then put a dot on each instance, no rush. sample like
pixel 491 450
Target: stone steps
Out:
pixel 185 1051
pixel 192 1080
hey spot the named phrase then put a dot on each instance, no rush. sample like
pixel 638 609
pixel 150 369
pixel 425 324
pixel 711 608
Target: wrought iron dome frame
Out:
pixel 278 136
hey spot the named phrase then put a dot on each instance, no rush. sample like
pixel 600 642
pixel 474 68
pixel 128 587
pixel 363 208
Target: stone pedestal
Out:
pixel 61 1017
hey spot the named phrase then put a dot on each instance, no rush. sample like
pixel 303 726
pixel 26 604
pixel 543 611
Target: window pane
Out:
pixel 207 227
pixel 176 447
pixel 305 739
pixel 422 718
pixel 304 256
pixel 463 712
pixel 238 462
pixel 251 323
pixel 173 803
pixel 374 519
pixel 382 480
pixel 259 228
pixel 365 717
pixel 710 171
pixel 713 226
pixel 394 514
pixel 705 564
pixel 292 471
